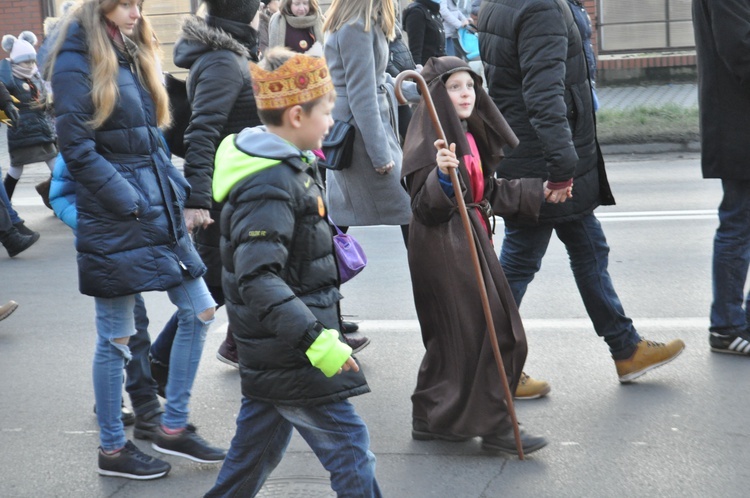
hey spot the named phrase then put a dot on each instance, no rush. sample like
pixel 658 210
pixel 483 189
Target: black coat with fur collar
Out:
pixel 216 51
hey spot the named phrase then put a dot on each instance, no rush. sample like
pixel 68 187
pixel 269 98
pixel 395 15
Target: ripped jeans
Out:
pixel 114 320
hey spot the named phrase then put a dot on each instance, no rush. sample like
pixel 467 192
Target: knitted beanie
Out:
pixel 242 11
pixel 22 48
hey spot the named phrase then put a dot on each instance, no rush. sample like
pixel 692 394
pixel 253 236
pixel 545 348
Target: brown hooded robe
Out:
pixel 459 390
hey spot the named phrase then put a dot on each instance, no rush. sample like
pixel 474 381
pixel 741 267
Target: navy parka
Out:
pixel 131 235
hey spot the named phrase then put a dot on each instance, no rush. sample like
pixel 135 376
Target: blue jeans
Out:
pixel 334 431
pixel 115 318
pixel 191 298
pixel 450 48
pixel 162 346
pixel 731 260
pixel 14 218
pixel 521 257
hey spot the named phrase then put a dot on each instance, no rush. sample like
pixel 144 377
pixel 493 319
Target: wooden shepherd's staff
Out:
pixel 413 75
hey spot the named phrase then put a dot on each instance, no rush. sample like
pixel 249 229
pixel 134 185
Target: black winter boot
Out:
pixel 23 229
pixel 147 424
pixel 10 185
pixel 15 242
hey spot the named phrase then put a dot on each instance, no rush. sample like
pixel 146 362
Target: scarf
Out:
pixel 115 35
pixel 278 22
pixel 24 72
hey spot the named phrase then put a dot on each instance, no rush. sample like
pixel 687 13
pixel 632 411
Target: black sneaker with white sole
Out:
pixel 132 463
pixel 730 343
pixel 187 444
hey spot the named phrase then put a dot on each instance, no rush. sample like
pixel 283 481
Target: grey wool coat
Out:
pixel 359 195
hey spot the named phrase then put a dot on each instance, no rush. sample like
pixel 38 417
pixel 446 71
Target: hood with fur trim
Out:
pixel 198 37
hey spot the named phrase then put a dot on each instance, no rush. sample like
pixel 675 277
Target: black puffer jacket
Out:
pixel 35 126
pixel 131 236
pixel 424 26
pixel 216 51
pixel 280 275
pixel 537 77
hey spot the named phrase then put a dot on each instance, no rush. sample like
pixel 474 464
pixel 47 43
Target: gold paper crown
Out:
pixel 301 79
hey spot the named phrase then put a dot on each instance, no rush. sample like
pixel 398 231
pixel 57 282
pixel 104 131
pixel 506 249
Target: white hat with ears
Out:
pixel 21 49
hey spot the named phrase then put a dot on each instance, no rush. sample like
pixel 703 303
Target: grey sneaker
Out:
pixel 132 463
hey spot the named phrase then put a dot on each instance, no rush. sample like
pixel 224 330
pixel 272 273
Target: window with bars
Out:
pixel 645 25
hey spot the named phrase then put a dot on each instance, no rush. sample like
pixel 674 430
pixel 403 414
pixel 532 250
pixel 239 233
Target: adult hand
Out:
pixel 384 170
pixel 349 365
pixel 195 218
pixel 446 156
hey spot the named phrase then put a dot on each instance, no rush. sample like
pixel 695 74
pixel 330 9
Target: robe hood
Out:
pixel 486 123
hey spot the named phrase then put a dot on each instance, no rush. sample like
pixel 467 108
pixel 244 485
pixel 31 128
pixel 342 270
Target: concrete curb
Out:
pixel 651 148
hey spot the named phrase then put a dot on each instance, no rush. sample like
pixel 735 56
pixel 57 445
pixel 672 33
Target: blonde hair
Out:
pixel 285 7
pixel 103 60
pixel 380 12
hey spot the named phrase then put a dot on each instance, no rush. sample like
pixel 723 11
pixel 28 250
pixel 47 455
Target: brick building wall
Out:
pixel 20 15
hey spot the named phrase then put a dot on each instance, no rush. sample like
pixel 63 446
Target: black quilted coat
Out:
pixel 216 51
pixel 537 77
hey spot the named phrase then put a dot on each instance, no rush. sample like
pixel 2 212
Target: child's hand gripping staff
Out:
pixel 446 162
pixel 330 355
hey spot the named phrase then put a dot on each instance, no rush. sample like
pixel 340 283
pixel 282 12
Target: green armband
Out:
pixel 328 353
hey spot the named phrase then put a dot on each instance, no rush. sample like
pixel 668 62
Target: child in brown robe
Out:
pixel 459 393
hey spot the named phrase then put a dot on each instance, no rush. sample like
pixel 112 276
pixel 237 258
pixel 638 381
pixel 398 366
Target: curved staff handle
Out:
pixel 413 75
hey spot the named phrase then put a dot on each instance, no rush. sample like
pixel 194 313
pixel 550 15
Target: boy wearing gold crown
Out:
pixel 281 285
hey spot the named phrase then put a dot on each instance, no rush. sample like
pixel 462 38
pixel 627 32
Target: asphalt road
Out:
pixel 679 431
